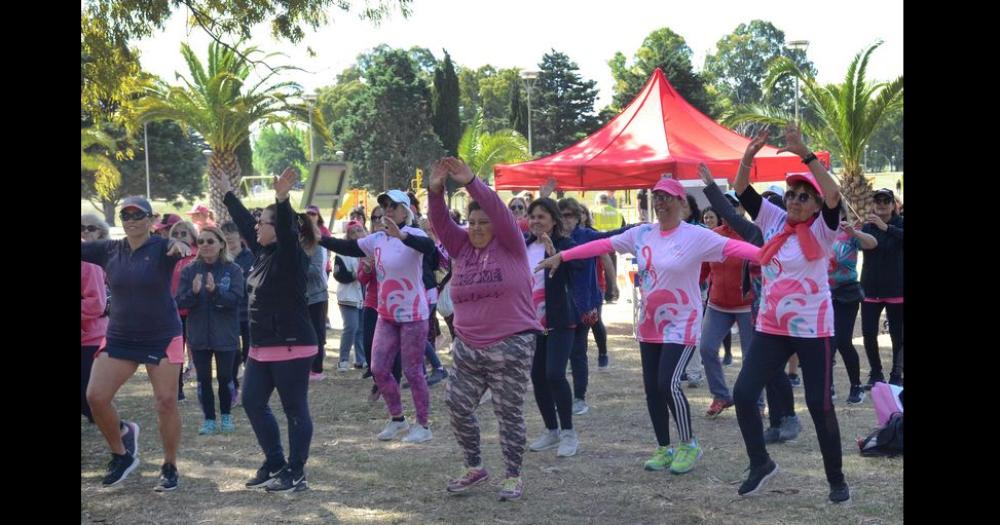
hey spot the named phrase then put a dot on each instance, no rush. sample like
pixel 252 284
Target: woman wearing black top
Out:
pixel 882 281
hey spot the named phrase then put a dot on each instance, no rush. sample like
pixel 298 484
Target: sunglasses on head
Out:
pixel 88 228
pixel 205 241
pixel 803 197
pixel 132 215
pixel 179 233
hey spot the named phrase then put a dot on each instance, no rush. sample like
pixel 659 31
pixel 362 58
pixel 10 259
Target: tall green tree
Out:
pixel 886 144
pixel 517 115
pixel 487 89
pixel 481 150
pixel 847 116
pixel 278 147
pixel 668 51
pixel 563 102
pixel 447 123
pixel 216 102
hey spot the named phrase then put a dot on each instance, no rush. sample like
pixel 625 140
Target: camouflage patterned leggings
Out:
pixel 504 368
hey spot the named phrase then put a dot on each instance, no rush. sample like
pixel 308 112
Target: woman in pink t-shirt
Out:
pixel 669 254
pixel 796 315
pixel 398 254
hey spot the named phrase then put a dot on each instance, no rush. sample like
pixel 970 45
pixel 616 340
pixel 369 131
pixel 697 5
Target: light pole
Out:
pixel 529 78
pixel 145 139
pixel 802 45
pixel 311 99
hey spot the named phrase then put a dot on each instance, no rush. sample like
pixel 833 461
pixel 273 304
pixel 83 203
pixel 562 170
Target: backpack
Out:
pixel 886 441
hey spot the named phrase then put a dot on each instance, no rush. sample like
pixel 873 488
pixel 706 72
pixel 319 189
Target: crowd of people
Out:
pixel 521 287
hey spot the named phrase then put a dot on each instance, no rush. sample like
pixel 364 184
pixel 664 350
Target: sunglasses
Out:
pixel 802 197
pixel 133 215
pixel 205 241
pixel 178 234
pixel 516 207
pixel 376 217
pixel 661 196
pixel 88 228
pixel 882 200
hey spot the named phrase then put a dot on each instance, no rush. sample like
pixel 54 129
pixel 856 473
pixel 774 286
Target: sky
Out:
pixel 516 33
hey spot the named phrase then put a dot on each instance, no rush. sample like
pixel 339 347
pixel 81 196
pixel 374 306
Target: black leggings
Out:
pixel 767 358
pixel 578 360
pixel 662 366
pixel 223 369
pixel 180 377
pixel 870 314
pixel 244 349
pixel 317 313
pixel 548 376
pixel 369 317
pixel 86 364
pixel 844 316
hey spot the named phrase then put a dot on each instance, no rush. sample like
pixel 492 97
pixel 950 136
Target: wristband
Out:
pixel 809 158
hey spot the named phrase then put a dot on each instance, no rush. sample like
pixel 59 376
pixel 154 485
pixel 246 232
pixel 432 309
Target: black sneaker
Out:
pixel 265 476
pixel 727 360
pixel 758 478
pixel 602 361
pixel 367 374
pixel 438 375
pixel 119 468
pixel 130 439
pixel 874 378
pixel 857 395
pixel 168 478
pixel 794 380
pixel 684 376
pixel 790 428
pixel 287 481
pixel 840 493
pixel 358 366
pixel 772 435
pixel 895 380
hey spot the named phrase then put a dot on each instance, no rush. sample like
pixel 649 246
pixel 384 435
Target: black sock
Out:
pixel 400 418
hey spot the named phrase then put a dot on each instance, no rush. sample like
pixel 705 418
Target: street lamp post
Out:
pixel 145 139
pixel 529 78
pixel 311 99
pixel 798 45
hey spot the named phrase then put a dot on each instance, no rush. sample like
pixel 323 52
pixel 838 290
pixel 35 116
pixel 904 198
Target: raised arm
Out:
pixel 505 227
pixel 743 227
pixel 244 220
pixel 95 252
pixel 452 236
pixel 286 223
pixel 794 144
pixel 743 175
pixel 346 247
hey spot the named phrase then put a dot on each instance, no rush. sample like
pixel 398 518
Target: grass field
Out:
pixel 354 478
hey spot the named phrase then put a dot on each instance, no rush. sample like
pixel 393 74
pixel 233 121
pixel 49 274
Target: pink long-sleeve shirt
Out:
pixel 93 301
pixel 491 286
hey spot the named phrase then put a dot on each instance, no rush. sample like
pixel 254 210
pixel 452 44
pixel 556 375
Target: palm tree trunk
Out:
pixel 858 191
pixel 222 164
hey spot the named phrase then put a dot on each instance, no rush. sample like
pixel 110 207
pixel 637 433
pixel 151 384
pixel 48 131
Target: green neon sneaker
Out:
pixel 687 455
pixel 661 459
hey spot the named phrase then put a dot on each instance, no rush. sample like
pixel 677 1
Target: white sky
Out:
pixel 516 33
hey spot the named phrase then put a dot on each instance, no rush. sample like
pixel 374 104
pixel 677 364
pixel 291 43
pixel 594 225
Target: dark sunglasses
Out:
pixel 516 207
pixel 88 228
pixel 205 241
pixel 179 233
pixel 883 200
pixel 132 215
pixel 376 218
pixel 802 197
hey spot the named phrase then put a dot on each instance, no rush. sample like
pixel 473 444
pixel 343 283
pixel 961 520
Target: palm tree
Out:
pixel 219 105
pixel 846 116
pixel 482 150
pixel 107 176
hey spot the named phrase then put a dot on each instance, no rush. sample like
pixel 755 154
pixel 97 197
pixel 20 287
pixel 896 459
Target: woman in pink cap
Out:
pixel 669 254
pixel 402 310
pixel 796 314
pixel 202 216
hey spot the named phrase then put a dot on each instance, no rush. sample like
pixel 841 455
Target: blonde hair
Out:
pixel 189 227
pixel 220 236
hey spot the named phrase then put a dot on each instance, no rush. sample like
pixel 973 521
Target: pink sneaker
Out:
pixel 511 489
pixel 472 477
pixel 313 376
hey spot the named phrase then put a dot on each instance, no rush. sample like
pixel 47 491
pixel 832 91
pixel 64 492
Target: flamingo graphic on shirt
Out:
pixel 783 309
pixel 400 299
pixel 659 311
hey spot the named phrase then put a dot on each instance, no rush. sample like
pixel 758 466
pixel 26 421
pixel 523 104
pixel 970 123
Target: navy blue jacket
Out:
pixel 140 282
pixel 560 310
pixel 586 293
pixel 213 321
pixel 882 273
pixel 276 286
pixel 244 260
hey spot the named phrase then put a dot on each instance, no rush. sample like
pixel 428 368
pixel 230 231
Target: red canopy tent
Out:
pixel 659 132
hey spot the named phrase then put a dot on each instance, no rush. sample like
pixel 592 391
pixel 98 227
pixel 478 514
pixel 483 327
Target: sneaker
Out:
pixel 511 489
pixel 237 396
pixel 207 428
pixel 168 478
pixel 602 361
pixel 393 429
pixel 727 360
pixel 840 493
pixel 180 394
pixel 717 407
pixel 661 459
pixel 580 407
pixel 359 366
pixel 343 366
pixel 758 478
pixel 685 457
pixel 550 439
pixel 794 380
pixel 896 380
pixel 790 428
pixel 684 376
pixel 119 468
pixel 772 435
pixel 472 477
pixel 568 443
pixel 694 380
pixel 874 378
pixel 313 376
pixel 288 481
pixel 438 375
pixel 130 439
pixel 367 374
pixel 857 395
pixel 374 394
pixel 418 434
pixel 227 424
pixel 265 476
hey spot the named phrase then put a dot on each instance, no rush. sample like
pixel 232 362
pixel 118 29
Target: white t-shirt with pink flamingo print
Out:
pixel 399 272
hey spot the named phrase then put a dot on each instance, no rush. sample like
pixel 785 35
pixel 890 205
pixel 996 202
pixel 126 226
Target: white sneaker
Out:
pixel 568 443
pixel 580 407
pixel 344 366
pixel 393 429
pixel 550 439
pixel 418 434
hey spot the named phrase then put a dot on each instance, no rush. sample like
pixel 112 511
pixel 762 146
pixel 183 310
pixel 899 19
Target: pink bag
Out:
pixel 885 399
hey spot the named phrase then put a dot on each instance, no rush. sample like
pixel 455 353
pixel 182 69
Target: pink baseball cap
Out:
pixel 803 176
pixel 671 186
pixel 200 208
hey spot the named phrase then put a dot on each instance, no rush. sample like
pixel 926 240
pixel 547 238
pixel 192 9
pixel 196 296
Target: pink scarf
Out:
pixel 810 247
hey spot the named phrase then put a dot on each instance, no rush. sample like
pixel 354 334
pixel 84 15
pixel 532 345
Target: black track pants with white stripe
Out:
pixel 662 366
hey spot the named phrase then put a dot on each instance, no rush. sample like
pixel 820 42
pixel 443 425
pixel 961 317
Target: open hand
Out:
pixel 209 282
pixel 877 221
pixel 793 141
pixel 552 264
pixel 284 183
pixel 756 145
pixel 459 171
pixel 391 229
pixel 196 283
pixel 706 176
pixel 550 249
pixel 547 188
pixel 439 173
pixel 178 248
